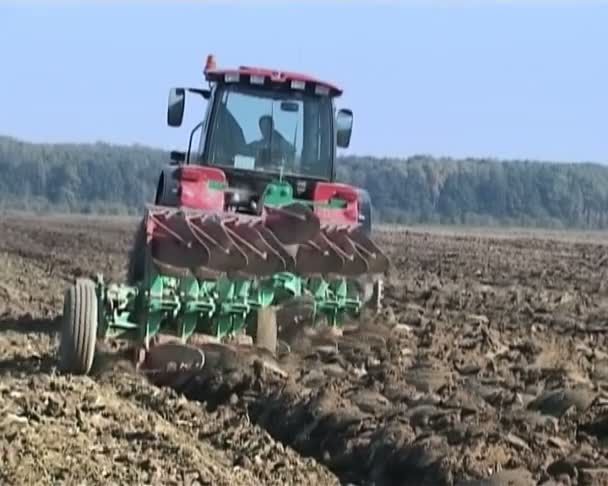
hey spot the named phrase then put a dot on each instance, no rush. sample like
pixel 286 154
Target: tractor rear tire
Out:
pixel 79 329
pixel 137 256
pixel 266 329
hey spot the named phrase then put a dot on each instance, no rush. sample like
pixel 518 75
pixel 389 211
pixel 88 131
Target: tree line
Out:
pixel 112 179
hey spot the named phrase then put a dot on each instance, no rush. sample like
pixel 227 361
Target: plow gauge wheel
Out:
pixel 79 327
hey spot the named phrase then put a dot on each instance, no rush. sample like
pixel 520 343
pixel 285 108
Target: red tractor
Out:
pixel 246 222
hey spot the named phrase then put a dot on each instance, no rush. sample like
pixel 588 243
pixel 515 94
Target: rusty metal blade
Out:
pixel 172 242
pixel 340 250
pixel 377 261
pixel 262 258
pixel 225 255
pixel 285 251
pixel 290 238
pixel 293 223
pixel 319 256
pixel 354 262
pixel 192 241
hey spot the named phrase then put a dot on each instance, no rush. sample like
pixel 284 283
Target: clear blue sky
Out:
pixel 499 79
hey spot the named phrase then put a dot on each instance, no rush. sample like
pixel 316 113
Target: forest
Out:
pixel 112 179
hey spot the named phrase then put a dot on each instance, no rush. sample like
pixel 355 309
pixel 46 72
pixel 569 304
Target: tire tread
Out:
pixel 79 333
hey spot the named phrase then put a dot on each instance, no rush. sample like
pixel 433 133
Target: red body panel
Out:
pixel 273 75
pixel 324 191
pixel 194 191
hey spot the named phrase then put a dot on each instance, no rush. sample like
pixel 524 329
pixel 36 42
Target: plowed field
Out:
pixel 488 367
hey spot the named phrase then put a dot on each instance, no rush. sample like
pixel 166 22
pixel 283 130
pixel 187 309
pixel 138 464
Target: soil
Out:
pixel 487 366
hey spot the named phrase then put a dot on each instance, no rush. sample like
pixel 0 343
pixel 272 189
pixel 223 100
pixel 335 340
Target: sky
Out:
pixel 500 79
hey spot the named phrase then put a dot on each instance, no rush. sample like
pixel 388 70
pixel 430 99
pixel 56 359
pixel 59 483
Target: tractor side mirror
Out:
pixel 344 128
pixel 175 108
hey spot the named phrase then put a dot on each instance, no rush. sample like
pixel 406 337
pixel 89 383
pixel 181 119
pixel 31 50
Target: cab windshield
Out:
pixel 256 129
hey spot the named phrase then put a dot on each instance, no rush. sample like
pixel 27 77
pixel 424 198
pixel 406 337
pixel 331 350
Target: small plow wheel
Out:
pixel 79 328
pixel 266 329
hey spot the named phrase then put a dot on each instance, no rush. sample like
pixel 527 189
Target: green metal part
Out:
pixel 182 307
pixel 220 308
pixel 280 193
pixel 334 300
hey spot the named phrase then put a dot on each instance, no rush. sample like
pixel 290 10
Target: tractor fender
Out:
pixel 365 210
pixel 166 190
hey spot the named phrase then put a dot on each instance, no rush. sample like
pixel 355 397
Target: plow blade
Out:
pixel 265 254
pixel 340 250
pixel 376 261
pixel 292 224
pixel 286 239
pixel 206 244
pixel 180 242
pixel 319 256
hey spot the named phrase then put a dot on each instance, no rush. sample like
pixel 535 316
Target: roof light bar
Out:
pixel 232 77
pixel 255 79
pixel 297 84
pixel 321 90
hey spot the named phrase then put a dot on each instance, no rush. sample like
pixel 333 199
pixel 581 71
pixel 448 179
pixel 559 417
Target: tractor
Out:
pixel 250 220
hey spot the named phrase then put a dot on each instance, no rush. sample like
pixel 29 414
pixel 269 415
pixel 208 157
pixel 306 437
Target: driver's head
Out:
pixel 266 126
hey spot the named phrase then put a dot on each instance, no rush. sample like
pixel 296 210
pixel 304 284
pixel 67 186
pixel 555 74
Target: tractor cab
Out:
pixel 262 131
pixel 263 124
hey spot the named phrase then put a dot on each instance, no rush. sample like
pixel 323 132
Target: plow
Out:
pixel 239 229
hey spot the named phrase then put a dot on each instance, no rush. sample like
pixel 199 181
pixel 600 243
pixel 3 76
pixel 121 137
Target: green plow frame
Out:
pixel 218 308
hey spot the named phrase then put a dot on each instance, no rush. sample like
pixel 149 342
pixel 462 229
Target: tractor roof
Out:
pixel 262 76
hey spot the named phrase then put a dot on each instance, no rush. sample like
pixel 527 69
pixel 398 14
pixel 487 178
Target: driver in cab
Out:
pixel 272 147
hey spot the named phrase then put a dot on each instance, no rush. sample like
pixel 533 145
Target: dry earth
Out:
pixel 488 367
